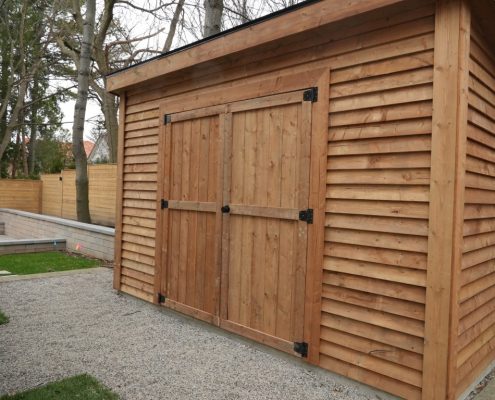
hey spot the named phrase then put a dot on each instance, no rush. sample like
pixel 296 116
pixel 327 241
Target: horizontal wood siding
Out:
pixel 21 194
pixel 139 203
pixel 376 238
pixel 476 340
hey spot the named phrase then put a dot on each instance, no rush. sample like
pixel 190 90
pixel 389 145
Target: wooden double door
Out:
pixel 233 216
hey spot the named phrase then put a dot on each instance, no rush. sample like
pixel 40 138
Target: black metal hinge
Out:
pixel 161 298
pixel 311 95
pixel 167 119
pixel 306 215
pixel 301 348
pixel 164 204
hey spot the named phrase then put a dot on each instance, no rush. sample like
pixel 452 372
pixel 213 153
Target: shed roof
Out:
pixel 308 15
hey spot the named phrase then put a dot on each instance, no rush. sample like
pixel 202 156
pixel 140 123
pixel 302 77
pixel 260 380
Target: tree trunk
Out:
pixel 34 127
pixel 14 116
pixel 213 17
pixel 110 109
pixel 82 187
pixel 173 26
pixel 25 170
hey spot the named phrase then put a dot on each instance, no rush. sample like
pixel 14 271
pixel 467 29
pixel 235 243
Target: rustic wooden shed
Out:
pixel 323 181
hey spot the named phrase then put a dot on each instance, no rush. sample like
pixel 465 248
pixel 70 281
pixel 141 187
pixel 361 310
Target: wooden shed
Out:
pixel 323 181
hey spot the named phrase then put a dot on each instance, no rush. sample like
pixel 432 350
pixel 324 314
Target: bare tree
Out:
pixel 173 26
pixel 213 17
pixel 83 72
pixel 20 71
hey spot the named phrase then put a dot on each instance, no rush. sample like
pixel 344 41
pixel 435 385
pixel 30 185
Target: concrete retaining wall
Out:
pixel 93 240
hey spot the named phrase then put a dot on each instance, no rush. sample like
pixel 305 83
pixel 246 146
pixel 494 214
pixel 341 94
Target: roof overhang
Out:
pixel 311 16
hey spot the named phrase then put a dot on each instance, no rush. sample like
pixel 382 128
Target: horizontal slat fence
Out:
pixel 59 194
pixel 24 195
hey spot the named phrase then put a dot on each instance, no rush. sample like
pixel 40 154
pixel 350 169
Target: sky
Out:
pixel 140 25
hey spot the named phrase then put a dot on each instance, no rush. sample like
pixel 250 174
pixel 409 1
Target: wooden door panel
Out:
pixel 243 267
pixel 189 260
pixel 269 164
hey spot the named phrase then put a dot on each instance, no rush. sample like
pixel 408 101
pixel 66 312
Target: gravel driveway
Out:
pixel 67 325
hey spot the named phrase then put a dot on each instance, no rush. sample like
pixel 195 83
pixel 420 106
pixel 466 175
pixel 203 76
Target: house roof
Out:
pixel 88 147
pixel 308 15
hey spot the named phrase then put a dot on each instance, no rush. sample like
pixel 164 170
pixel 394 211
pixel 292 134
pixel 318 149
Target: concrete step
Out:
pixel 2 228
pixel 13 246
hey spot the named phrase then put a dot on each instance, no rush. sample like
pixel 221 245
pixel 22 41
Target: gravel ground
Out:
pixel 67 325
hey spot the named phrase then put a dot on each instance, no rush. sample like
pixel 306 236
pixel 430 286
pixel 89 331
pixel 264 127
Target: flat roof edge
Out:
pixel 306 16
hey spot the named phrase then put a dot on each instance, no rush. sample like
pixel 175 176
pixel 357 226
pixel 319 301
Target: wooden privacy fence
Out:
pixel 21 194
pixel 59 194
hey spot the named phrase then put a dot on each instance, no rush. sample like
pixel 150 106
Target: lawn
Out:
pixel 3 318
pixel 35 263
pixel 83 387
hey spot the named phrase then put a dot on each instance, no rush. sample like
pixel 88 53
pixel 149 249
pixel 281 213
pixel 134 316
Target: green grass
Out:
pixel 35 263
pixel 83 387
pixel 3 318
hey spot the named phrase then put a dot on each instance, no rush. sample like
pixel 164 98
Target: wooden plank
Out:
pixel 378 208
pixel 373 348
pixel 384 98
pixel 376 84
pixel 265 212
pixel 383 256
pixel 119 196
pixel 374 301
pixel 399 64
pixel 376 286
pixel 383 114
pixel 452 28
pixel 401 127
pixel 379 318
pixel 301 235
pixel 162 215
pixel 380 161
pixel 383 145
pixel 225 176
pixel 187 205
pixel 376 271
pixel 260 192
pixel 136 293
pixel 377 224
pixel 272 341
pixel 414 193
pixel 374 364
pixel 371 378
pixel 191 311
pixel 380 177
pixel 197 113
pixel 379 334
pixel 391 241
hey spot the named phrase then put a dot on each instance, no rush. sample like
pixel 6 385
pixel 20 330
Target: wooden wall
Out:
pixel 376 238
pixel 20 194
pixel 476 331
pixel 59 194
pixel 379 142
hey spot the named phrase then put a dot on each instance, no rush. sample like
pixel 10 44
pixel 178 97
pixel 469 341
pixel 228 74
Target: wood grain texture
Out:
pixel 474 332
pixel 446 200
pixel 20 194
pixel 59 198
